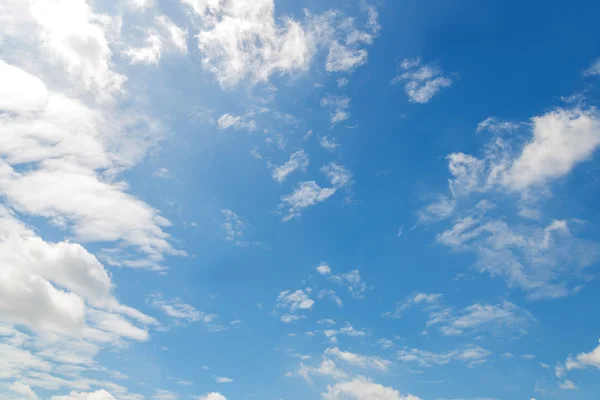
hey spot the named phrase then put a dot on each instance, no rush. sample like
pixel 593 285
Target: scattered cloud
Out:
pixel 222 379
pixel 293 301
pixel 212 396
pixel 338 108
pixel 306 194
pixel 180 311
pixel 358 360
pixel 298 162
pixel 423 82
pixel 164 36
pixel 471 354
pixel 329 143
pixel 237 122
pixel 594 69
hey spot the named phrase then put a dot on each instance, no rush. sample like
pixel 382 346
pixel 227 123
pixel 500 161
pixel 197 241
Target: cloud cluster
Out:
pixel 422 81
pixel 545 260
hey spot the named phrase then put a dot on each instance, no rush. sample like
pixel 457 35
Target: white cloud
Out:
pixel 261 47
pixel 164 36
pixel 326 368
pixel 561 140
pixel 341 82
pixel 470 354
pixel 339 176
pixel 337 106
pixel 222 379
pixel 332 295
pixel 162 394
pixel 544 261
pixel 324 269
pixel 212 396
pixel 233 225
pixel 74 153
pixel 73 35
pixel 326 321
pixel 242 40
pixel 180 311
pixel 427 299
pixel 97 395
pixel 358 360
pixel 342 58
pixel 593 69
pixel 227 121
pixel 491 124
pixel 584 360
pixel 297 300
pixel 291 318
pixel 353 281
pixel 306 194
pixel 567 385
pixel 361 388
pixel 422 82
pixel 298 162
pixel 23 390
pixel 347 330
pixel 329 143
pixel 481 316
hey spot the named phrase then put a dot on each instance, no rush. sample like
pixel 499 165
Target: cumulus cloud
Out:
pixel 165 36
pixel 297 300
pixel 545 259
pixel 262 47
pixel 97 395
pixel 361 388
pixel 72 151
pixel 212 396
pixel 423 82
pixel 584 360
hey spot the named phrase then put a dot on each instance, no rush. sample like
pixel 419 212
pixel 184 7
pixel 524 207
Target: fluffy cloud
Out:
pixel 342 58
pixel 306 194
pixel 227 121
pixel 74 153
pixel 361 388
pixel 544 259
pixel 242 40
pixel 297 300
pixel 422 82
pixel 212 396
pixel 23 390
pixel 164 36
pixel 584 360
pixel 298 162
pixel 339 176
pixel 98 395
pixel 73 35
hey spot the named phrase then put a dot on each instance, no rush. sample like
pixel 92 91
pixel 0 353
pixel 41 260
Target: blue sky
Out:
pixel 339 200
